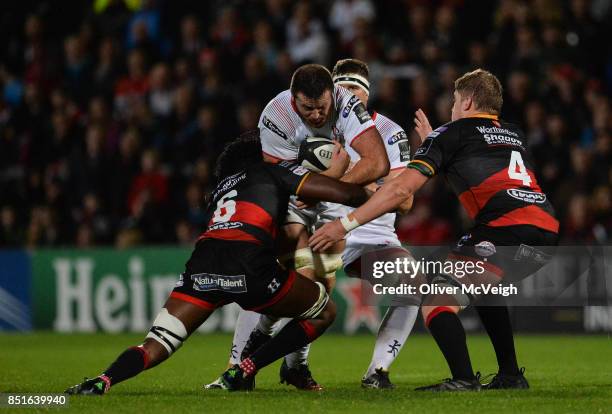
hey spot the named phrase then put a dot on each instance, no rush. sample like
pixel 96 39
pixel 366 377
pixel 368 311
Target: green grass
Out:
pixel 567 374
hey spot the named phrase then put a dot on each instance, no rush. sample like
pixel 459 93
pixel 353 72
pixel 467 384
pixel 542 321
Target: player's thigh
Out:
pixel 301 297
pixel 192 316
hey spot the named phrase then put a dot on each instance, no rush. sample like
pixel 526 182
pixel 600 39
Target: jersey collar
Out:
pixel 484 115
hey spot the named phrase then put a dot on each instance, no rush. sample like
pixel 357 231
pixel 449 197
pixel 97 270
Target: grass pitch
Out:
pixel 567 374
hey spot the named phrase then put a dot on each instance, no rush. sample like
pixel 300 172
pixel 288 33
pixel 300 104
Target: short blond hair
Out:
pixel 484 88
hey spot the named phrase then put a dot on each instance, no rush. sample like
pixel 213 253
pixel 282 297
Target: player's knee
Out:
pixel 326 264
pixel 319 306
pixel 328 315
pixel 168 331
pixel 429 312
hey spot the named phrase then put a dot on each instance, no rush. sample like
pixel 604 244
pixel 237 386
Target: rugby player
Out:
pixel 312 107
pixel 235 261
pixel 377 240
pixel 487 166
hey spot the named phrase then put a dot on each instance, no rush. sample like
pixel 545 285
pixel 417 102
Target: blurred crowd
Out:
pixel 112 112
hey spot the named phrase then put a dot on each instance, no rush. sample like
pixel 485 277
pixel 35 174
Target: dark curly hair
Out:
pixel 239 154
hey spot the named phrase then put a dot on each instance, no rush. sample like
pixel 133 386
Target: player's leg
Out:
pixel 175 322
pixel 246 322
pixel 495 318
pixel 253 329
pixel 295 369
pixel 392 335
pixel 312 312
pixel 398 321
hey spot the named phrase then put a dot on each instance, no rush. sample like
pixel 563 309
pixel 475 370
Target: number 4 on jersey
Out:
pixel 516 163
pixel 225 208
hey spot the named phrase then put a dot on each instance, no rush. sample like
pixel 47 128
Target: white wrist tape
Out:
pixel 349 223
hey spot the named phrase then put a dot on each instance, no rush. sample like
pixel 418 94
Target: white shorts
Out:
pixel 314 217
pixel 354 250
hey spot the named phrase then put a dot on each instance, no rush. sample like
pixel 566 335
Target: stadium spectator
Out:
pixel 84 98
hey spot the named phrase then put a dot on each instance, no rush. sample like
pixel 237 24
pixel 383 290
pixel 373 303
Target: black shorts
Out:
pixel 512 252
pixel 221 272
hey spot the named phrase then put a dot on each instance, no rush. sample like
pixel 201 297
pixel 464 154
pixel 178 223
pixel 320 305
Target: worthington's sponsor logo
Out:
pixel 495 130
pixel 500 136
pixel 527 196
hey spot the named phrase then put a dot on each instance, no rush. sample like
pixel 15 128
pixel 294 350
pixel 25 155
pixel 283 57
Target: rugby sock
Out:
pixel 392 334
pixel 449 334
pixel 496 321
pixel 266 324
pixel 246 322
pixel 129 364
pixel 299 357
pixel 293 336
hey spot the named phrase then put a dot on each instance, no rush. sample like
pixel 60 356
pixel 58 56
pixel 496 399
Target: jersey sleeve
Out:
pixel 433 154
pixel 275 139
pixel 289 175
pixel 353 118
pixel 398 148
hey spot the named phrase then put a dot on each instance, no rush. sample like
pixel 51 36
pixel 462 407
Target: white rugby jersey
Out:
pixel 282 130
pixel 382 229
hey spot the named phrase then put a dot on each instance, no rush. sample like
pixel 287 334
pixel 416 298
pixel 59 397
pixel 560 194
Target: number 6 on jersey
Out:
pixel 517 161
pixel 225 208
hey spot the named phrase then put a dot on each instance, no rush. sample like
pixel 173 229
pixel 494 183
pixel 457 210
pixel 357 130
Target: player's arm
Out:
pixel 276 144
pixel 428 160
pixel 403 208
pixel 388 198
pixel 319 187
pixel 297 180
pixel 373 162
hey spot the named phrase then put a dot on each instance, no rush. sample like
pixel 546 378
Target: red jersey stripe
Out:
pixel 229 234
pixel 198 302
pixel 530 215
pixel 280 294
pixel 474 199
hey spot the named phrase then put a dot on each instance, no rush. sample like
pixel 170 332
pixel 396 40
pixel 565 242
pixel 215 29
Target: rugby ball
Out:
pixel 316 153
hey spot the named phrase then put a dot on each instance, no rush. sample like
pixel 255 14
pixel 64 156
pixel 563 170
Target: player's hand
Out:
pixel 339 162
pixel 326 236
pixel 421 124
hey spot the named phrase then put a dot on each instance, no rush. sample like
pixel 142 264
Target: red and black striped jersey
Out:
pixel 487 166
pixel 248 206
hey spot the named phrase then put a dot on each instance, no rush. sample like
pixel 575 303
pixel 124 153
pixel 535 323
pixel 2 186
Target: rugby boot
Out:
pixel 454 385
pixel 379 379
pixel 93 386
pixel 235 379
pixel 508 382
pixel 301 378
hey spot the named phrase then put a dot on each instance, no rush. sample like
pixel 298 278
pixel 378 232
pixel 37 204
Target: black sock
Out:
pixel 130 363
pixel 291 338
pixel 448 332
pixel 496 320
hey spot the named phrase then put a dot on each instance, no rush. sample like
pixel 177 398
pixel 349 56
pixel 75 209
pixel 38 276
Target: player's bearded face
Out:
pixel 314 112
